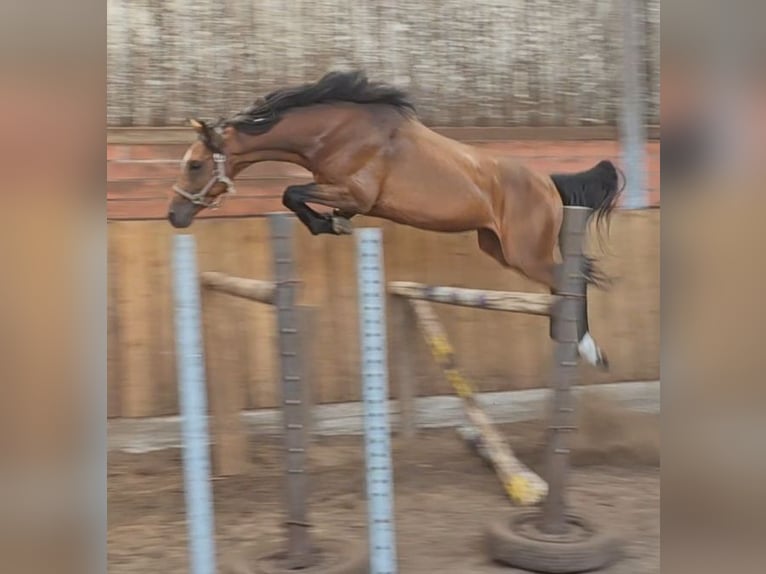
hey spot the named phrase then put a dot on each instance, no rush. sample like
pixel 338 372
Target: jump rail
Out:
pixel 509 301
pixel 251 289
pixel 521 484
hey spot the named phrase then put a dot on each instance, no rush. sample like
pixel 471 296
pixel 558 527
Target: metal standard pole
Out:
pixel 372 330
pixel 94 489
pixel 633 136
pixel 191 392
pixel 571 289
pixel 293 411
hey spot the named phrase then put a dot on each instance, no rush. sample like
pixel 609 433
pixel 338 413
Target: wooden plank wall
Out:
pixel 499 351
pixel 487 62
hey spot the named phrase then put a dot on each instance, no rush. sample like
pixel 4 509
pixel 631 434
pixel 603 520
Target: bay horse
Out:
pixel 369 154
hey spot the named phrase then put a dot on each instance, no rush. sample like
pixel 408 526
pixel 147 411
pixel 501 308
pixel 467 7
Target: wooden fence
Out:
pixel 142 165
pixel 498 351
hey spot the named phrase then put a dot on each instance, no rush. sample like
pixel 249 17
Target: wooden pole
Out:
pixel 292 373
pixel 307 317
pixel 252 289
pixel 521 484
pixel 572 289
pixel 510 301
pixel 403 345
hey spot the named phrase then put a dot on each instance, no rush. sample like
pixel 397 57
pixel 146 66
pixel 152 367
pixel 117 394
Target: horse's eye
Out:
pixel 195 165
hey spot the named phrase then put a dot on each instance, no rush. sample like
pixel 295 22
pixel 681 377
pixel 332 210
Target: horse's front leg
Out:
pixel 296 197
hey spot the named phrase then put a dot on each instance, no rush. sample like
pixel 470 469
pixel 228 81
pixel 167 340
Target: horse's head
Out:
pixel 203 179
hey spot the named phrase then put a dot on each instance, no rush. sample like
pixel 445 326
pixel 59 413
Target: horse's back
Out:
pixel 521 186
pixel 433 182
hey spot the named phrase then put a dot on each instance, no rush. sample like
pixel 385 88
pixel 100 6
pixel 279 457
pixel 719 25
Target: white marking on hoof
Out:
pixel 589 351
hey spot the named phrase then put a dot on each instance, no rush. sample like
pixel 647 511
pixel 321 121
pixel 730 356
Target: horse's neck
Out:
pixel 259 150
pixel 293 139
pixel 249 158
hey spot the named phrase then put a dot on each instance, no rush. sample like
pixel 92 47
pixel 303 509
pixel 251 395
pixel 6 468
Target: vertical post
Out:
pixel 372 328
pixel 95 489
pixel 633 136
pixel 404 340
pixel 292 371
pixel 306 331
pixel 191 392
pixel 571 290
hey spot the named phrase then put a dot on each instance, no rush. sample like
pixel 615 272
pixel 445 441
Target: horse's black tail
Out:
pixel 597 188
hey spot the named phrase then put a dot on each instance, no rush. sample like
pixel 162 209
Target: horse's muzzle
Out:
pixel 181 214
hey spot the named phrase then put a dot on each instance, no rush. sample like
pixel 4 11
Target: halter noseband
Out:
pixel 219 176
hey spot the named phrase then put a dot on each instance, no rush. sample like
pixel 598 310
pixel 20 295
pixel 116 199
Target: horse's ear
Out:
pixel 209 135
pixel 199 126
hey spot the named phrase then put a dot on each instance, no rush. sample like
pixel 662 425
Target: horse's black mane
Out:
pixel 332 87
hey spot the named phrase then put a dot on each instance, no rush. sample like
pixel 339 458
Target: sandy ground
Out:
pixel 444 497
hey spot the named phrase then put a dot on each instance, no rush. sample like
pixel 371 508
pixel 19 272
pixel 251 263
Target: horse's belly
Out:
pixel 433 215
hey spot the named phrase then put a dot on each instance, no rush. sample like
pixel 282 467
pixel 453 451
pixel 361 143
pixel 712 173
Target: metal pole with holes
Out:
pixel 571 290
pixel 292 371
pixel 193 406
pixel 372 317
pixel 633 131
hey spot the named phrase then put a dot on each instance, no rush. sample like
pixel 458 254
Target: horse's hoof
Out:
pixel 593 355
pixel 341 226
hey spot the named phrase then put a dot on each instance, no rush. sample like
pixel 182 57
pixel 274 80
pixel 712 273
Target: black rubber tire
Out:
pixel 510 545
pixel 333 558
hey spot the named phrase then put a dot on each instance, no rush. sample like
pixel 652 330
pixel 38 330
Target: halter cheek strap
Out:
pixel 219 176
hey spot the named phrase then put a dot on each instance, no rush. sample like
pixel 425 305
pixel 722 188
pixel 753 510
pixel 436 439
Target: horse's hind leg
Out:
pixel 536 261
pixel 587 347
pixel 545 272
pixel 490 244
